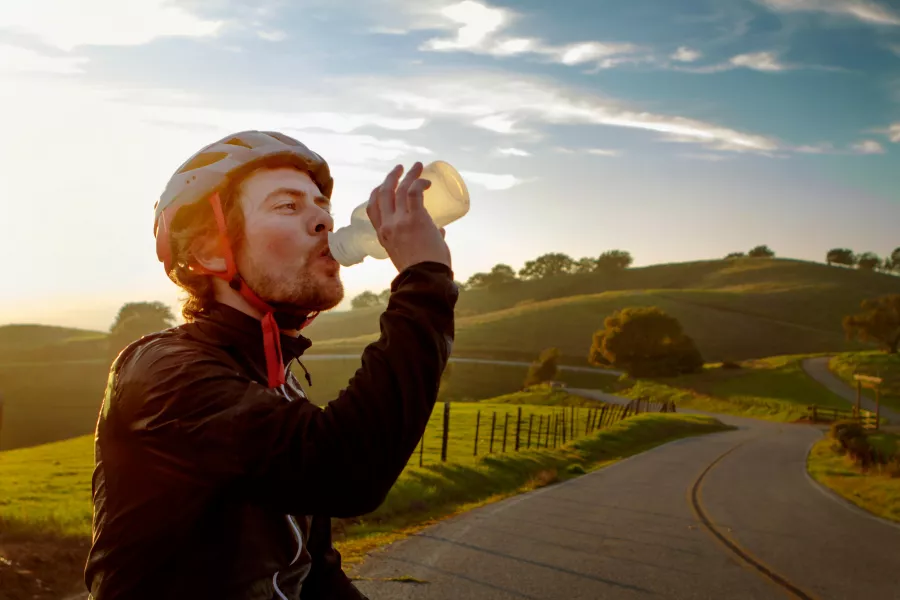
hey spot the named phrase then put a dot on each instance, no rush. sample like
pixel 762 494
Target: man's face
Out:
pixel 284 254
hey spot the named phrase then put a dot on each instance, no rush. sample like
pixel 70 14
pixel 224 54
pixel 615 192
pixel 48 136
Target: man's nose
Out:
pixel 322 222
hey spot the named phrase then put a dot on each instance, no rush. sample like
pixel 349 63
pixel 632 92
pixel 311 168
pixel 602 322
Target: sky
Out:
pixel 677 130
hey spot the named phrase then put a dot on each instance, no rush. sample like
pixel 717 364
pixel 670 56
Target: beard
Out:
pixel 295 295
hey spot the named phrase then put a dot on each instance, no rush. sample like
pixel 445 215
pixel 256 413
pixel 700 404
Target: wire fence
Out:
pixel 463 432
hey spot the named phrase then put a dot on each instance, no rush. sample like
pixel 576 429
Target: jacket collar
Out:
pixel 225 325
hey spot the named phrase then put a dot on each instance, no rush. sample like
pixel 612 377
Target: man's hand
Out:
pixel 404 227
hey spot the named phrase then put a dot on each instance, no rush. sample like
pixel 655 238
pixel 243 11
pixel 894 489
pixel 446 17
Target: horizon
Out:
pixel 577 130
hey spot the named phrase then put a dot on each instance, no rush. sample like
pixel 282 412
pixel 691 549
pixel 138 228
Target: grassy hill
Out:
pixel 737 309
pixel 19 342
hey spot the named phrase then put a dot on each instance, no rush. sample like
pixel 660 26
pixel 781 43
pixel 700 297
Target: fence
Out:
pixel 827 414
pixel 474 429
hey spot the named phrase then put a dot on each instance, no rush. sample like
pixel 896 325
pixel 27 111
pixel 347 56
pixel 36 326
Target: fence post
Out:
pixel 877 407
pixel 422 449
pixel 493 428
pixel 477 426
pixel 564 426
pixel 540 429
pixel 446 431
pixel 602 415
pixel 858 395
pixel 530 423
pixel 815 413
pixel 555 429
pixel 505 427
pixel 587 421
pixel 574 418
pixel 518 426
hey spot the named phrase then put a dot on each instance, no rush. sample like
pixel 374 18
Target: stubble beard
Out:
pixel 297 294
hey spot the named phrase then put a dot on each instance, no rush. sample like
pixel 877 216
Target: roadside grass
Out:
pixel 774 389
pixel 875 491
pixel 875 362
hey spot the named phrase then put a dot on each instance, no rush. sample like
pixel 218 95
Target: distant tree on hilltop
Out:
pixel 137 319
pixel 366 299
pixel 500 274
pixel 841 256
pixel 547 265
pixel 585 265
pixel 735 255
pixel 868 261
pixel 878 322
pixel 614 260
pixel 544 369
pixel 762 251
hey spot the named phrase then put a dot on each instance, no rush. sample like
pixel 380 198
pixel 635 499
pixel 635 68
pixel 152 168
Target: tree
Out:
pixel 762 251
pixel 614 260
pixel 841 256
pixel 547 265
pixel 384 297
pixel 365 300
pixel 137 319
pixel 735 255
pixel 499 275
pixel 645 342
pixel 878 322
pixel 585 265
pixel 868 261
pixel 544 369
pixel 895 257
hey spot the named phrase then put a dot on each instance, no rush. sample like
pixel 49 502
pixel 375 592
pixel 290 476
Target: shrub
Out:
pixel 729 364
pixel 575 469
pixel 843 431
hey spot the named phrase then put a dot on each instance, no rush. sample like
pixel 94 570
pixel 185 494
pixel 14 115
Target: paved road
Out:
pixel 633 531
pixel 817 368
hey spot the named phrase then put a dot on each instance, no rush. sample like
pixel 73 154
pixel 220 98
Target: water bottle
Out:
pixel 445 201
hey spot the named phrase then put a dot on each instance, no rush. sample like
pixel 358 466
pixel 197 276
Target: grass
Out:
pixel 774 389
pixel 734 309
pixel 875 491
pixel 874 362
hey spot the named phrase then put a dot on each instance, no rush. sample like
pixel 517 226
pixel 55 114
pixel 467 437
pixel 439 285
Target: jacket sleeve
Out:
pixel 210 427
pixel 326 578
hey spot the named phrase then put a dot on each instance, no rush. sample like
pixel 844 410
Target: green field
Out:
pixel 873 362
pixel 775 389
pixel 734 309
pixel 875 491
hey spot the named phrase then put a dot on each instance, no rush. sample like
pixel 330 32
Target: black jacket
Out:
pixel 199 464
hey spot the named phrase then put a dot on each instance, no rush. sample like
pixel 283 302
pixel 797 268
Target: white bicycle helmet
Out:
pixel 202 177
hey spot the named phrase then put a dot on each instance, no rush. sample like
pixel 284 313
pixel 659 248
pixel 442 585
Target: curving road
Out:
pixel 817 368
pixel 724 516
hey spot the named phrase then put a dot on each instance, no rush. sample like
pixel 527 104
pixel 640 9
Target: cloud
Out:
pixel 893 132
pixel 685 54
pixel 824 148
pixel 477 24
pixel 604 152
pixel 14 59
pixel 65 24
pixel 705 156
pixel 275 35
pixel 512 152
pixel 491 181
pixel 500 102
pixel 867 147
pixel 867 11
pixel 759 61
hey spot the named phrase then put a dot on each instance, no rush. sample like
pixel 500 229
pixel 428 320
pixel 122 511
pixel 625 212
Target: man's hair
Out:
pixel 196 222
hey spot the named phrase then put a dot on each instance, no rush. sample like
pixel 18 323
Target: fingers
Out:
pixel 386 192
pixel 443 233
pixel 415 197
pixel 402 196
pixel 373 210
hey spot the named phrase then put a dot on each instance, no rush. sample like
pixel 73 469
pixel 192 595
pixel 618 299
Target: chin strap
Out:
pixel 271 331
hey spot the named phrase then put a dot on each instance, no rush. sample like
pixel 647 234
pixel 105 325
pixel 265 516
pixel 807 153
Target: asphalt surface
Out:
pixel 817 368
pixel 727 515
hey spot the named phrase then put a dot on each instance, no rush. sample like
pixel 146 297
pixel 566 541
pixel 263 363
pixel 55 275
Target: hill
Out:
pixel 27 338
pixel 735 309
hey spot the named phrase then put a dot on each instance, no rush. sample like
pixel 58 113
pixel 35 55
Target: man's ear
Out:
pixel 208 253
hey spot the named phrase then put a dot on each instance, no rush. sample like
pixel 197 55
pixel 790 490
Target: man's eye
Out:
pixel 291 205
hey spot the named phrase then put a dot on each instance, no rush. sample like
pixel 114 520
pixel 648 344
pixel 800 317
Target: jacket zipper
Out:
pixel 299 537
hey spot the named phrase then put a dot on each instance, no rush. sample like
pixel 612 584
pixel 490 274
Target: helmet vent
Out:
pixel 238 142
pixel 202 160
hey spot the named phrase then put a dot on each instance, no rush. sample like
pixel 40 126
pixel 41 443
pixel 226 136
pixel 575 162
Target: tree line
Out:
pixel 866 261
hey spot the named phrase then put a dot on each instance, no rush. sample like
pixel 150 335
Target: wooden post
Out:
pixel 422 450
pixel 477 426
pixel 530 423
pixel 858 396
pixel 446 431
pixel 540 429
pixel 555 429
pixel 587 421
pixel 574 418
pixel 505 427
pixel 877 407
pixel 602 415
pixel 815 413
pixel 493 428
pixel 564 426
pixel 518 426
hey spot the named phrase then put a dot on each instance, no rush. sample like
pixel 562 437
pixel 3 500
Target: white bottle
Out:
pixel 446 201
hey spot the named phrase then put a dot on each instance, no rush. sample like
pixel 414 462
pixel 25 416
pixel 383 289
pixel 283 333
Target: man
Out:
pixel 215 477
